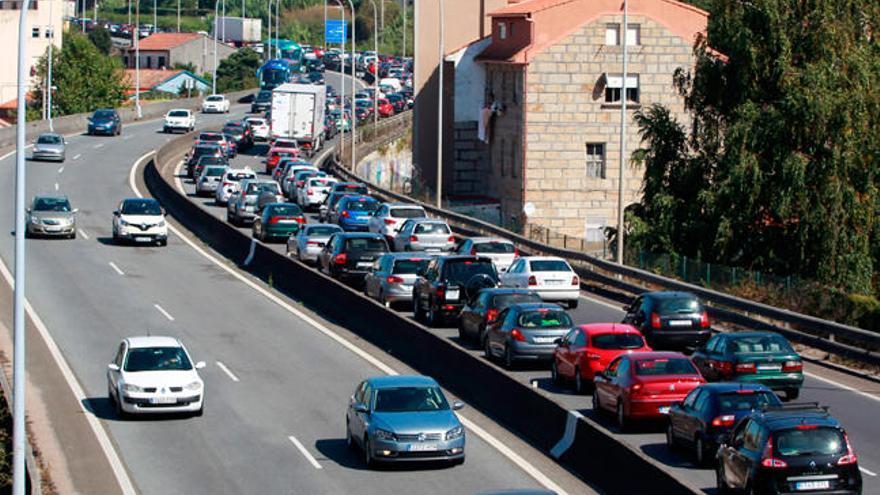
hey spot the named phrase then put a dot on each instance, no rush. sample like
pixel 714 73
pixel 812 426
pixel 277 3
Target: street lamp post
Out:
pixel 155 18
pixel 223 36
pixel 375 65
pixel 277 25
pixel 440 111
pixel 178 16
pixel 129 12
pixel 622 159
pixel 353 115
pixel 342 78
pixel 49 72
pixel 214 71
pixel 266 49
pixel 404 27
pixel 137 58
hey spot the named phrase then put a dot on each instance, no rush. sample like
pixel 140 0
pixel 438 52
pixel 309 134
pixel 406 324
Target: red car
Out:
pixel 643 385
pixel 386 109
pixel 589 349
pixel 276 154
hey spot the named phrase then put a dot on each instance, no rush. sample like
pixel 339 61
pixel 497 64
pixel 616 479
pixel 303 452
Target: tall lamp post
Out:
pixel 353 115
pixel 342 71
pixel 404 27
pixel 375 65
pixel 214 71
pixel 155 18
pixel 266 49
pixel 440 110
pixel 137 58
pixel 622 159
pixel 49 72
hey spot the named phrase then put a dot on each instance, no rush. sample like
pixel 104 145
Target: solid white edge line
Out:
pixel 116 268
pixel 164 313
pixel 567 439
pixel 305 452
pixel 487 437
pixel 116 465
pixel 82 233
pixel 867 471
pixel 77 156
pixel 228 372
pixel 841 385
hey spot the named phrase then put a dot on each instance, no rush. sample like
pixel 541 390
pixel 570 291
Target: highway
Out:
pixel 272 380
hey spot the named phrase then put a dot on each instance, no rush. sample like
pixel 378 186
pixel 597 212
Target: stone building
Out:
pixel 552 81
pixel 163 50
pixel 44 25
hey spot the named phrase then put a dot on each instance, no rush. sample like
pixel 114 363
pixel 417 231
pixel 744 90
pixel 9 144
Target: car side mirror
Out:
pixel 200 365
pixel 601 374
pixel 113 367
pixel 75 211
pixel 28 210
pixel 361 408
pixel 560 342
pixel 456 405
pixel 625 307
pixel 116 213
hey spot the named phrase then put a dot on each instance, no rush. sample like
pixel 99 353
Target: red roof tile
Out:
pixel 150 78
pixel 166 41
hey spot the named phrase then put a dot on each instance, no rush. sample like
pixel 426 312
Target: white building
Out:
pixel 44 18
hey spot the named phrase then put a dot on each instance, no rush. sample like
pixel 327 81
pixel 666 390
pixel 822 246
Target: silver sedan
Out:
pixel 310 240
pixel 49 146
pixel 392 276
pixel 51 216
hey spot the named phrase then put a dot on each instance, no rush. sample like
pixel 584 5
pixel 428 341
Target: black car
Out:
pixel 315 77
pixel 705 417
pixel 331 128
pixel 797 448
pixel 348 256
pixel 398 101
pixel 332 61
pixel 262 102
pixel 200 150
pixel 105 121
pixel 485 306
pixel 314 65
pixel 240 134
pixel 670 320
pixel 439 294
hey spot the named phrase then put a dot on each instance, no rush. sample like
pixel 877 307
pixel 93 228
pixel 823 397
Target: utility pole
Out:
pixel 404 27
pixel 214 72
pixel 129 12
pixel 178 16
pixel 82 13
pixel 353 116
pixel 137 58
pixel 440 111
pixel 224 22
pixel 155 18
pixel 375 66
pixel 622 159
pixel 266 49
pixel 342 78
pixel 49 74
pixel 95 20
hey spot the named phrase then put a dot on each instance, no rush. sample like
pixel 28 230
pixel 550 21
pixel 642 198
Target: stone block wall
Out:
pixel 470 161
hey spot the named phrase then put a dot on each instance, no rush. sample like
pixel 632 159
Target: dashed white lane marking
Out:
pixel 83 234
pixel 840 385
pixel 116 268
pixel 568 437
pixel 487 437
pixel 867 471
pixel 77 157
pixel 61 170
pixel 228 372
pixel 56 186
pixel 99 145
pixel 305 452
pixel 164 313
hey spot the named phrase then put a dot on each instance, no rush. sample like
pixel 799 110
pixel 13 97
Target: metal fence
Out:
pixel 706 274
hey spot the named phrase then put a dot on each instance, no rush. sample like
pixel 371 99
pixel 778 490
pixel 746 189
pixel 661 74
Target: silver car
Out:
pixel 310 240
pixel 51 216
pixel 315 192
pixel 49 146
pixel 209 180
pixel 392 276
pixel 242 206
pixel 422 234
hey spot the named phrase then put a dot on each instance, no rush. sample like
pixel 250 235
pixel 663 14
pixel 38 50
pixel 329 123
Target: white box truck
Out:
pixel 238 30
pixel 298 113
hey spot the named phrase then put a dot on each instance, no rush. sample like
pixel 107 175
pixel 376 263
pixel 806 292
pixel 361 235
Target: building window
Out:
pixel 49 33
pixel 612 34
pixel 596 160
pixel 35 32
pixel 125 60
pixel 502 30
pixel 514 162
pixel 633 35
pixel 161 62
pixel 149 63
pixel 614 85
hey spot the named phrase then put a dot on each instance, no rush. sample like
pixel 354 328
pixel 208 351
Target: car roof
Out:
pixel 149 200
pixel 656 355
pixel 401 204
pixel 489 239
pixel 544 258
pixel 49 134
pixel 668 294
pixel 723 387
pixel 536 306
pixel 152 341
pixel 379 382
pixel 780 419
pixel 465 257
pixel 310 225
pixel 362 235
pixel 753 333
pixel 620 328
pixel 358 197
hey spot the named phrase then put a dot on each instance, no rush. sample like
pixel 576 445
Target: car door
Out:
pixel 495 335
pixel 511 278
pixel 693 424
pixel 728 453
pixel 702 358
pixel 326 253
pixel 679 414
pixel 564 351
pixel 604 385
pixel 113 375
pixel 355 420
pixel 470 314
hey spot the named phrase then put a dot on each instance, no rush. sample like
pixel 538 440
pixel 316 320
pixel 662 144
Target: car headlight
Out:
pixel 161 223
pixel 123 223
pixel 196 385
pixel 128 387
pixel 385 435
pixel 35 220
pixel 454 433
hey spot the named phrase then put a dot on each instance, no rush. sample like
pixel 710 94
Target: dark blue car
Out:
pixel 105 121
pixel 354 212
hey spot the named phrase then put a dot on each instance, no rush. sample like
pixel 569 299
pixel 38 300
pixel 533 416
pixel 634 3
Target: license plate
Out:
pixel 545 340
pixel 53 229
pixel 553 282
pixel 452 295
pixel 163 400
pixel 143 239
pixel 680 323
pixel 364 265
pixel 287 222
pixel 769 367
pixel 663 410
pixel 812 485
pixel 248 208
pixel 422 447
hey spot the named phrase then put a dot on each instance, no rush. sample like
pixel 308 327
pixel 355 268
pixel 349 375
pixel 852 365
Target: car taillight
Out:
pixel 725 420
pixel 450 238
pixel 767 459
pixel 636 389
pixel 491 315
pixel 850 457
pixel 516 335
pixel 390 221
pixel 300 220
pixel 704 319
pixel 413 238
pixel 299 183
pixel 655 321
pixel 394 280
pixel 310 193
pixel 340 259
pixel 745 368
pixel 724 367
pixel 274 219
pixel 575 281
pixel 313 243
pixel 532 280
pixel 790 366
pixel 345 214
pixel 440 292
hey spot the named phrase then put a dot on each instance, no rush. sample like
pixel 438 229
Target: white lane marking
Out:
pixel 305 452
pixel 228 372
pixel 116 268
pixel 840 385
pixel 250 256
pixel 568 437
pixel 164 313
pixel 61 170
pixel 83 233
pixel 99 145
pixel 487 437
pixel 116 465
pixel 56 186
pixel 126 138
pixel 77 156
pixel 866 471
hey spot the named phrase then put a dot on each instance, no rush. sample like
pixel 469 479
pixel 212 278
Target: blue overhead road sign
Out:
pixel 336 31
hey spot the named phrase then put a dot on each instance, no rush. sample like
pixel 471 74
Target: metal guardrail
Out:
pixel 852 342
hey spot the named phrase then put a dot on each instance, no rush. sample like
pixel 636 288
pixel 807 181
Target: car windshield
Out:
pixel 215 98
pixel 141 207
pixel 746 400
pixel 673 305
pixel 461 271
pixel 320 182
pixel 665 366
pixel 407 212
pixel 49 139
pixel 617 341
pixel 103 114
pixel 157 359
pixel 549 266
pixel 214 171
pixel 51 204
pixel 178 113
pixel 286 210
pixel 410 399
pixel 362 205
pixel 502 301
pixel 238 176
pixel 544 318
pixel 322 231
pixel 264 96
pixel 809 440
pixel 261 187
pixel 210 137
pixel 494 247
pixel 366 244
pixel 431 228
pixel 410 266
pixel 233 129
pixel 760 344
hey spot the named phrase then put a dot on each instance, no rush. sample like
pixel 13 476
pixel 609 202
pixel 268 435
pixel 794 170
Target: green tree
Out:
pixel 238 71
pixel 100 37
pixel 84 78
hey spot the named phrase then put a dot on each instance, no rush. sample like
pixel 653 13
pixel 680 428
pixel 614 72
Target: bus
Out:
pixel 273 73
pixel 287 50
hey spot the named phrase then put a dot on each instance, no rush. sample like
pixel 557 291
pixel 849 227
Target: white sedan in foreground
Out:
pixel 155 375
pixel 551 277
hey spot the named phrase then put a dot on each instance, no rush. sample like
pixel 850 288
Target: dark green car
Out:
pixel 278 221
pixel 753 357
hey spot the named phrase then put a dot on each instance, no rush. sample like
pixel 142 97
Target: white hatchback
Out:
pixel 230 183
pixel 179 119
pixel 155 375
pixel 140 220
pixel 215 104
pixel 551 277
pixel 260 128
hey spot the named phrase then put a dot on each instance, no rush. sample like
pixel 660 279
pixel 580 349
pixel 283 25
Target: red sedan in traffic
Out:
pixel 643 385
pixel 588 349
pixel 386 109
pixel 276 154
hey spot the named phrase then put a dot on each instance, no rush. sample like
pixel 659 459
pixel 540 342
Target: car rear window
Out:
pixel 407 212
pixel 284 143
pixel 366 244
pixel 261 187
pixel 410 266
pixel 353 189
pixel 238 176
pixel 665 366
pixel 319 182
pixel 617 341
pixel 210 137
pixel 502 301
pixel 495 247
pixel 673 305
pixel 362 205
pixel 759 344
pixel 214 171
pixel 809 440
pixel 287 210
pixel 432 228
pixel 178 113
pixel 544 319
pixel 461 271
pixel 323 230
pixel 549 266
pixel 746 400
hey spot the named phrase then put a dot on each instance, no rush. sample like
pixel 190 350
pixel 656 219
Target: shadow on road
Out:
pixel 336 450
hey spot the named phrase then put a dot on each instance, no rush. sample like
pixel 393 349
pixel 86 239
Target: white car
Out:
pixel 390 217
pixel 215 104
pixel 501 251
pixel 140 220
pixel 315 192
pixel 260 128
pixel 155 375
pixel 231 182
pixel 551 277
pixel 179 119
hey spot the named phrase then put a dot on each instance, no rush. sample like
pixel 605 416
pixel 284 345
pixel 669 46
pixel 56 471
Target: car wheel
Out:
pixel 579 386
pixel 700 451
pixel 487 349
pixel 554 373
pixel 72 235
pixel 163 242
pixel 200 412
pixel 382 300
pixel 597 408
pixel 349 440
pixel 792 394
pixel 462 335
pixel 431 318
pixel 573 304
pixel 621 417
pixel 721 487
pixel 368 453
pixel 417 310
pixel 670 439
pixel 508 357
pixel 120 412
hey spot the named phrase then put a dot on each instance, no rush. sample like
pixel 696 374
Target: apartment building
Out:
pixel 44 26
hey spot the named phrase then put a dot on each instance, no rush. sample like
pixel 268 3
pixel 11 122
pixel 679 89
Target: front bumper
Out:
pixel 177 126
pixel 391 451
pixel 145 404
pixel 51 230
pixel 566 294
pixel 670 339
pixel 47 155
pixel 212 109
pixel 135 234
pixel 109 130
pixel 528 350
